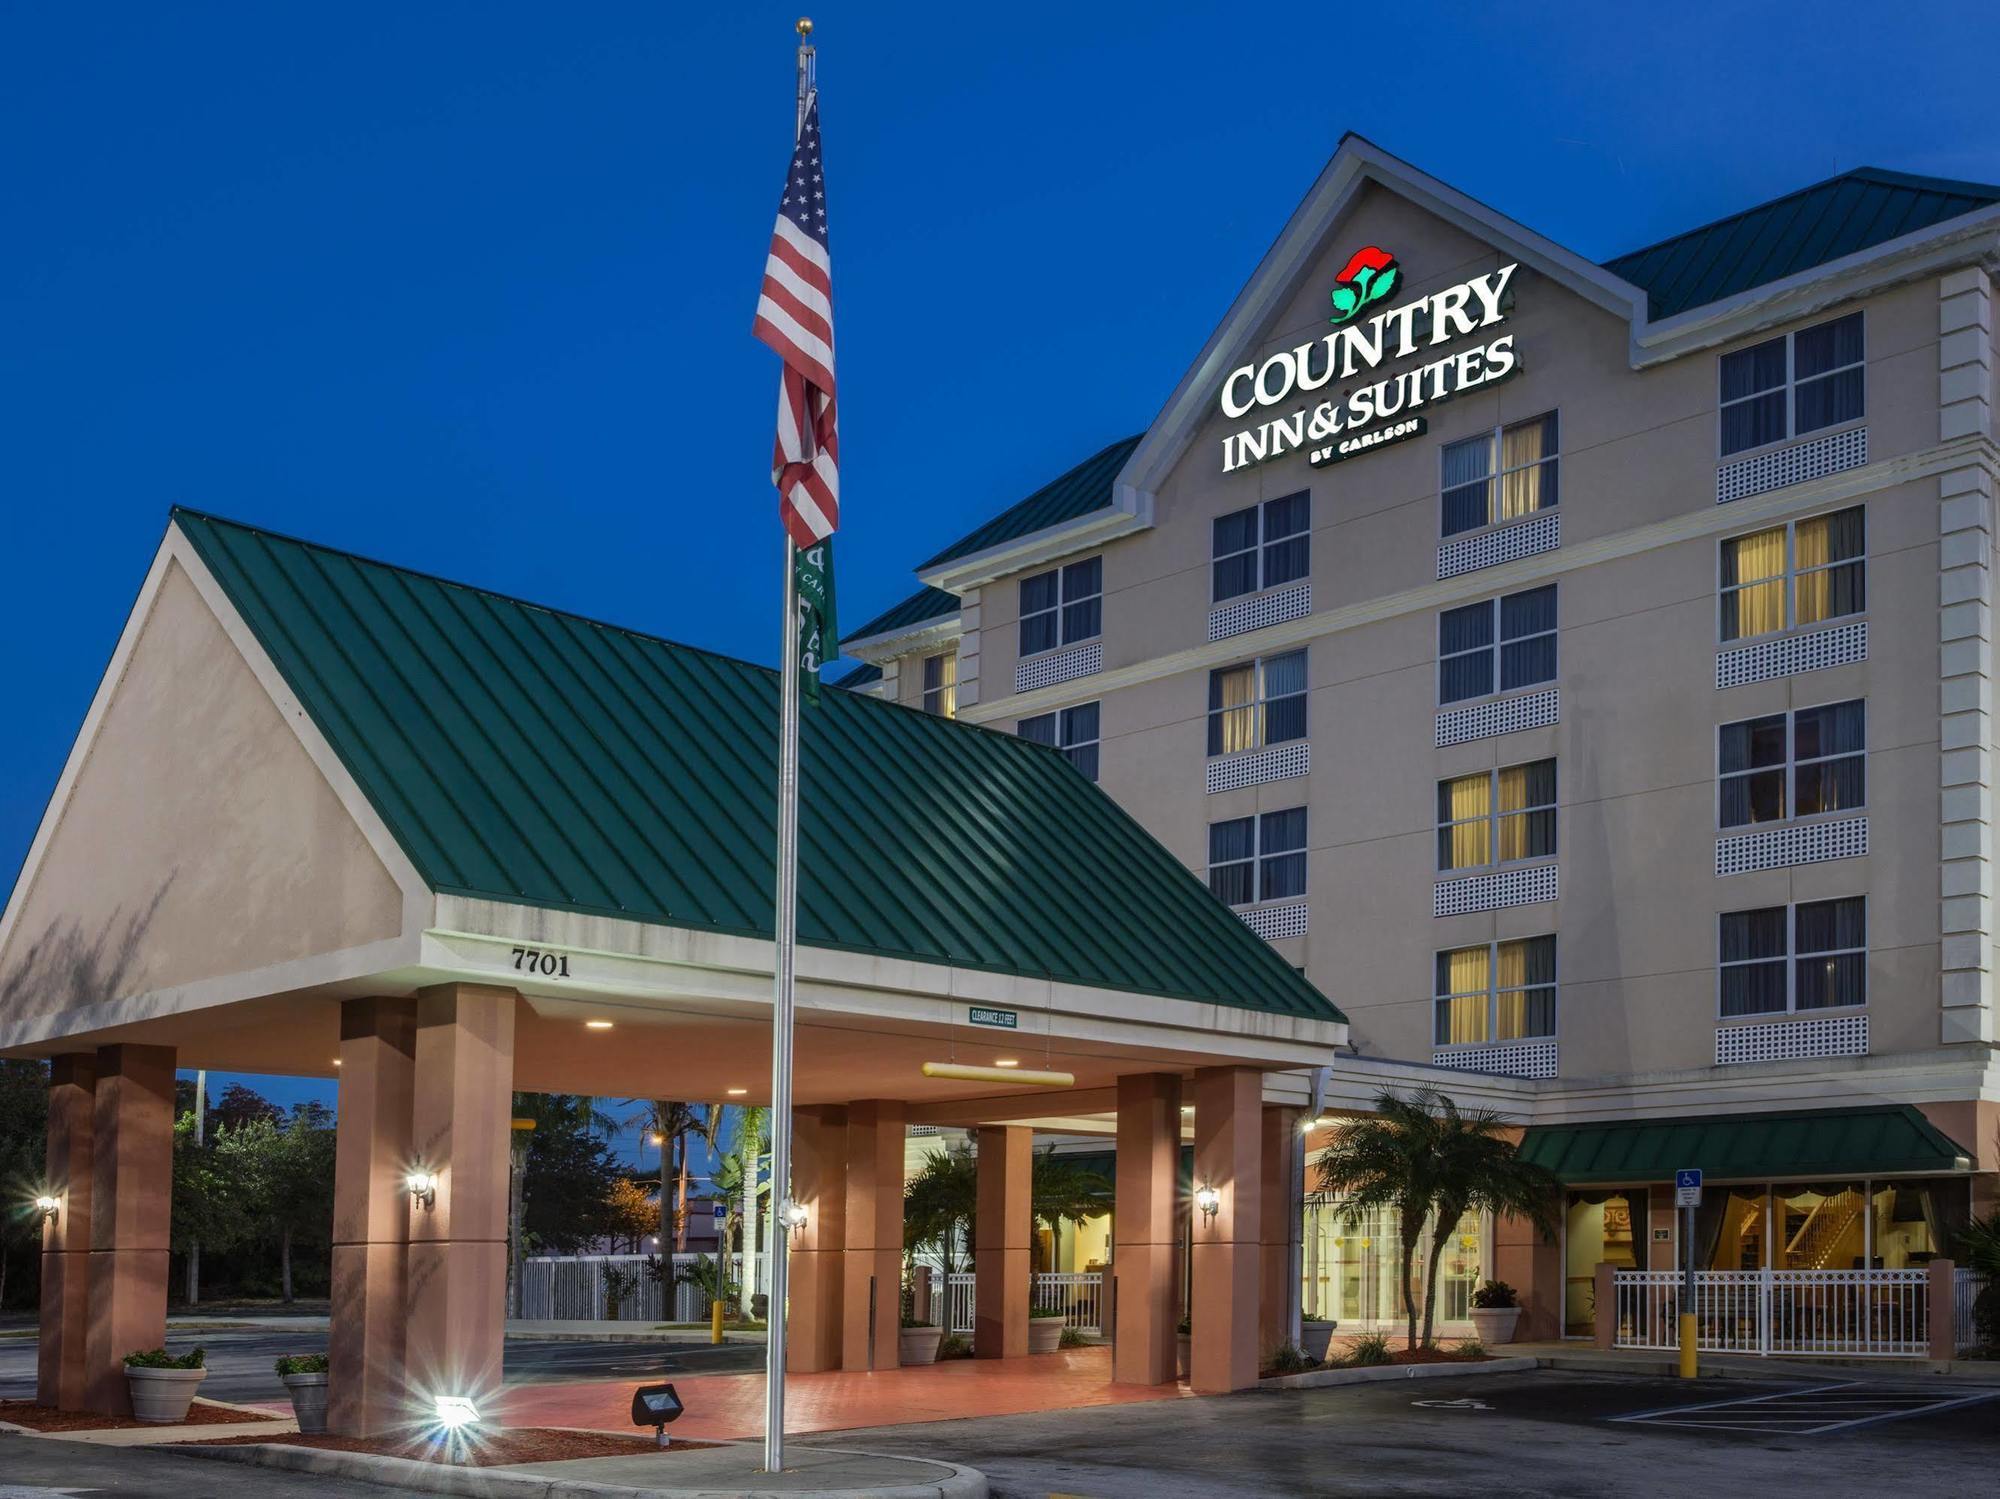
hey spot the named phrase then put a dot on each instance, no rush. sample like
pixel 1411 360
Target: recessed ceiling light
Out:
pixel 336 1061
pixel 597 1025
pixel 738 1092
pixel 1006 1061
pixel 1187 1108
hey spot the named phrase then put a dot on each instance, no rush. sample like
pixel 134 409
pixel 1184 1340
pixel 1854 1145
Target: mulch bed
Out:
pixel 48 1418
pixel 524 1444
pixel 1397 1356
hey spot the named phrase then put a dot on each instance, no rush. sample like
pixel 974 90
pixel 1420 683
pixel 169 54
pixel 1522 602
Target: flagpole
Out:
pixel 785 934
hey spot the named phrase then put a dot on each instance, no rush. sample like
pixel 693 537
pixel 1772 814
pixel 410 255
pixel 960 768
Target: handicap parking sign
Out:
pixel 1687 1188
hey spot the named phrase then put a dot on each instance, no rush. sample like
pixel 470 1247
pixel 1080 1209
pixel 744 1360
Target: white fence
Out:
pixel 1967 1284
pixel 572 1289
pixel 1854 1313
pixel 1080 1293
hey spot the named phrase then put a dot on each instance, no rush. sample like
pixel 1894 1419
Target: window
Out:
pixel 1071 730
pixel 1062 606
pixel 1797 765
pixel 941 684
pixel 1500 475
pixel 1803 573
pixel 1792 384
pixel 1497 816
pixel 1258 858
pixel 1511 641
pixel 1497 991
pixel 1262 547
pixel 1257 703
pixel 1782 959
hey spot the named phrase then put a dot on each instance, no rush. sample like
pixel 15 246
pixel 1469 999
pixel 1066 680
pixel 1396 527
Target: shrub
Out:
pixel 1492 1295
pixel 1369 1349
pixel 914 1321
pixel 1470 1348
pixel 1291 1359
pixel 159 1358
pixel 1072 1338
pixel 303 1363
pixel 954 1345
pixel 1047 1311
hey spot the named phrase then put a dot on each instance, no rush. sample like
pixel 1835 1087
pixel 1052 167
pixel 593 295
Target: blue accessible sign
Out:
pixel 1687 1188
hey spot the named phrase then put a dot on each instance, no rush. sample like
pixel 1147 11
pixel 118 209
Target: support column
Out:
pixel 371 1217
pixel 1143 1259
pixel 131 1197
pixel 815 1270
pixel 1282 1203
pixel 1002 1231
pixel 1228 1156
pixel 460 1127
pixel 872 1270
pixel 59 1363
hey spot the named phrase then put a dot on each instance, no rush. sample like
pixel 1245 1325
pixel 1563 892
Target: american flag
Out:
pixel 795 317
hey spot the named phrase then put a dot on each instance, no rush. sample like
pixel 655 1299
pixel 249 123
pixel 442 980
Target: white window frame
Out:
pixel 1260 702
pixel 1495 446
pixel 1064 598
pixel 1790 767
pixel 1791 958
pixel 1259 856
pixel 1494 991
pixel 1791 387
pixel 945 693
pixel 1258 545
pixel 1790 578
pixel 1494 646
pixel 1068 751
pixel 1494 814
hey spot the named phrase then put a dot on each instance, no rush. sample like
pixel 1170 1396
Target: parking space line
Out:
pixel 1811 1410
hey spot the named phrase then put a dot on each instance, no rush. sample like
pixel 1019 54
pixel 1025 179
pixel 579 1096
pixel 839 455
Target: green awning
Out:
pixel 1877 1140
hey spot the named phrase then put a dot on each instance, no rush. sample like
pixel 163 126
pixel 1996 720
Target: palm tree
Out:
pixel 1064 1191
pixel 942 1199
pixel 1419 1156
pixel 672 1126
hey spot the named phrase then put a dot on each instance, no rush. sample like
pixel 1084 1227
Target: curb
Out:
pixel 501 1483
pixel 680 1339
pixel 1314 1379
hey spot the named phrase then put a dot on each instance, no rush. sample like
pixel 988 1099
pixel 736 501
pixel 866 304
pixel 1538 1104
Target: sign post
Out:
pixel 1687 1197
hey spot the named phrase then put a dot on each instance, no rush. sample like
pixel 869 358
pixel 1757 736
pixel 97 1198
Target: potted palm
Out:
pixel 304 1377
pixel 1495 1310
pixel 1045 1326
pixel 163 1384
pixel 918 1342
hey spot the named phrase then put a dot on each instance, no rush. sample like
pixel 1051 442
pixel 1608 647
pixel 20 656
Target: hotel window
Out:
pixel 1497 645
pixel 1266 546
pixel 1797 765
pixel 1784 959
pixel 1071 730
pixel 1497 816
pixel 1497 991
pixel 1258 703
pixel 1792 384
pixel 1500 475
pixel 941 684
pixel 1259 858
pixel 1062 606
pixel 1803 573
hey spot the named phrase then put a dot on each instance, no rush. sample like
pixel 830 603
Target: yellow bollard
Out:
pixel 715 1321
pixel 1688 1360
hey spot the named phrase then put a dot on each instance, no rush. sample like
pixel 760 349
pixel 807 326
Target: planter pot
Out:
pixel 1315 1338
pixel 162 1395
pixel 1044 1334
pixel 1495 1324
pixel 308 1393
pixel 760 1306
pixel 918 1345
pixel 1183 1342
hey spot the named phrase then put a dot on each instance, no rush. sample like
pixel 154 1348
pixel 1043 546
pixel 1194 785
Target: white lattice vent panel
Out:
pixel 1532 710
pixel 1490 892
pixel 1843 645
pixel 1782 848
pixel 1781 1040
pixel 1273 922
pixel 1515 1058
pixel 1278 763
pixel 1491 548
pixel 1814 459
pixel 1239 616
pixel 1059 666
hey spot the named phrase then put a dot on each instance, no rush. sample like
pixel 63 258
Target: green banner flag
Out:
pixel 819 636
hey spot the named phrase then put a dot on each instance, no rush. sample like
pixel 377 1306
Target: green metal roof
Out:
pixel 1810 227
pixel 522 754
pixel 1085 488
pixel 867 674
pixel 924 604
pixel 1876 1139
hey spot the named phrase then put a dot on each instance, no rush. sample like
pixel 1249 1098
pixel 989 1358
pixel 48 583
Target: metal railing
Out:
pixel 1080 1293
pixel 571 1288
pixel 1966 1286
pixel 1855 1313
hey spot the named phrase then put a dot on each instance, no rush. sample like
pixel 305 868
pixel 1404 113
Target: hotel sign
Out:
pixel 1273 397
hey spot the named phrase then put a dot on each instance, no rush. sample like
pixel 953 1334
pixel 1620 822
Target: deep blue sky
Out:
pixel 468 287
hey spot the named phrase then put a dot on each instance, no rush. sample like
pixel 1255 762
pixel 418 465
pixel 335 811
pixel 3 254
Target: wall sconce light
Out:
pixel 1208 1200
pixel 423 1187
pixel 48 1206
pixel 792 1214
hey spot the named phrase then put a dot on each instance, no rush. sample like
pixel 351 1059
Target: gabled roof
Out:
pixel 867 674
pixel 925 604
pixel 525 755
pixel 1854 211
pixel 1085 488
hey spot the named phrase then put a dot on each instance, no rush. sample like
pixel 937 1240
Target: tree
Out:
pixel 301 1193
pixel 739 1182
pixel 221 1187
pixel 1419 1156
pixel 630 1213
pixel 1064 1190
pixel 24 1115
pixel 673 1127
pixel 240 1105
pixel 568 1175
pixel 942 1199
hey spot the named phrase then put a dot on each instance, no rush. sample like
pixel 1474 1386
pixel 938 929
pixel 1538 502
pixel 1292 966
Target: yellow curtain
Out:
pixel 1814 589
pixel 950 685
pixel 1465 1011
pixel 1239 705
pixel 1468 799
pixel 1512 1009
pixel 1513 797
pixel 1521 489
pixel 1760 606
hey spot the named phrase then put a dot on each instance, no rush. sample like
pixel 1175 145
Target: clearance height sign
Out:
pixel 1369 416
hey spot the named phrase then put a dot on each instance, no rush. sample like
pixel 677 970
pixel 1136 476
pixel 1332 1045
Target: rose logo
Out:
pixel 1369 277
